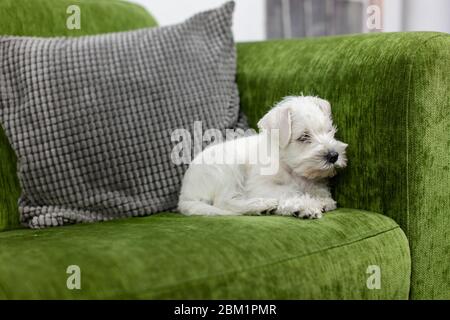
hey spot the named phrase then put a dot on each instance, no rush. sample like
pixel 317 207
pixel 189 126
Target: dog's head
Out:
pixel 306 136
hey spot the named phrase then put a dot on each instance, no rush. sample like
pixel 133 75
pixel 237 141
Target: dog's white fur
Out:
pixel 299 187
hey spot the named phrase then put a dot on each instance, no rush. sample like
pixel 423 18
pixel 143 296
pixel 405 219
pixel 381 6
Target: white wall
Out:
pixel 426 15
pixel 417 15
pixel 248 20
pixel 393 16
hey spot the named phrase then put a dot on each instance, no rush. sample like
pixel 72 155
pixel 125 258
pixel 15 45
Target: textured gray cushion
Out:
pixel 90 118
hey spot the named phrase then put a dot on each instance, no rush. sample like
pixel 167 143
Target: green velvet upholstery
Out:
pixel 174 256
pixel 390 100
pixel 48 18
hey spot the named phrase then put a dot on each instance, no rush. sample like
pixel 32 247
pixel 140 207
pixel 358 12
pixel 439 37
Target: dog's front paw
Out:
pixel 310 213
pixel 327 204
pixel 307 208
pixel 263 205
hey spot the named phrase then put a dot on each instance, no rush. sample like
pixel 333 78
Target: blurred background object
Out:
pixel 307 18
pixel 268 19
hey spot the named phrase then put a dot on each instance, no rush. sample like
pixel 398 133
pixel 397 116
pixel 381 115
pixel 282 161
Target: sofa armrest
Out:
pixel 390 100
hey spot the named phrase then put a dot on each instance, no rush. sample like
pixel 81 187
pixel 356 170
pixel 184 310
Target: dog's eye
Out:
pixel 304 138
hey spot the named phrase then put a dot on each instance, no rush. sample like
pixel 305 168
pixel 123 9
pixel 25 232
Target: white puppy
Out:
pixel 224 180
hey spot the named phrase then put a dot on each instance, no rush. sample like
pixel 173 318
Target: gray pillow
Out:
pixel 90 118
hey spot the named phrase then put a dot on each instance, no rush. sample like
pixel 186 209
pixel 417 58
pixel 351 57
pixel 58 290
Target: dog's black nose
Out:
pixel 332 156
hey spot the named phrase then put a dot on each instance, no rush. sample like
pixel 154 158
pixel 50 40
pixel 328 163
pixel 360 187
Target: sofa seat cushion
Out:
pixel 173 256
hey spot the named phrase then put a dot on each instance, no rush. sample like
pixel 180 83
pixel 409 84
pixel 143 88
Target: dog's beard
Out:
pixel 315 170
pixel 314 173
pixel 315 167
pixel 310 161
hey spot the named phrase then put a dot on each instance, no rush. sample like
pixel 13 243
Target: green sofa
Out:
pixel 390 100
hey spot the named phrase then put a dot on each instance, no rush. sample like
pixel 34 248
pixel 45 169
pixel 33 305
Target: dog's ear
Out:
pixel 324 105
pixel 278 118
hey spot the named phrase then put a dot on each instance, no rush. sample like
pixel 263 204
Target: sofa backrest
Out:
pixel 47 18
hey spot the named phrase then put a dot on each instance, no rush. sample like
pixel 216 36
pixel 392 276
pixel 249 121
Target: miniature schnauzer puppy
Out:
pixel 307 154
